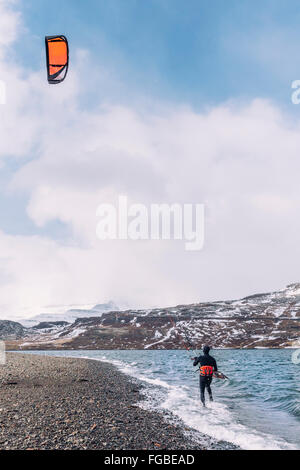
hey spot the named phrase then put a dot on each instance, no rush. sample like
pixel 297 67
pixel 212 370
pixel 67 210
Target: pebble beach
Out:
pixel 68 404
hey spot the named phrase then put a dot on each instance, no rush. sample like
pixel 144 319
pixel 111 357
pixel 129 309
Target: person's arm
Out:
pixel 196 361
pixel 215 366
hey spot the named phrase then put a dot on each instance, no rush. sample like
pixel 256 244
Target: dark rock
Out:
pixel 11 330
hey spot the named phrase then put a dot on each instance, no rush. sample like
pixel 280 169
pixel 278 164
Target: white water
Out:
pixel 171 385
pixel 215 421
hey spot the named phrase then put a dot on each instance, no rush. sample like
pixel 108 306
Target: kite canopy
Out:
pixel 57 52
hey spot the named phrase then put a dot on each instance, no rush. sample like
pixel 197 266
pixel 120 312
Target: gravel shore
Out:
pixel 62 403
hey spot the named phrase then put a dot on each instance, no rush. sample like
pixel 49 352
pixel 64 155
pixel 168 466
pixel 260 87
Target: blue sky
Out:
pixel 194 52
pixel 165 101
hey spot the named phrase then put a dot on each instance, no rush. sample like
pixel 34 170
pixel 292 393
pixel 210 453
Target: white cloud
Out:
pixel 242 161
pixel 9 24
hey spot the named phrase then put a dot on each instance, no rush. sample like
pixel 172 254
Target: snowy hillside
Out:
pixel 261 320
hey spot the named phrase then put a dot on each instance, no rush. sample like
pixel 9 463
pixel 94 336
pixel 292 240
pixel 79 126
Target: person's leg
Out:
pixel 202 389
pixel 208 383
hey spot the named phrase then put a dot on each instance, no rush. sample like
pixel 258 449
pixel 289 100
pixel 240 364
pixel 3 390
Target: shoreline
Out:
pixel 54 403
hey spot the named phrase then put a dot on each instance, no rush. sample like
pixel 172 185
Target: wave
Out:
pixel 216 421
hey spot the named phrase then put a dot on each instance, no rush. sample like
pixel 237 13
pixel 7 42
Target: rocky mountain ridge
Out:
pixel 269 320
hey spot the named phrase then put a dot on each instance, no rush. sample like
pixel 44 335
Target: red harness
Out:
pixel 206 371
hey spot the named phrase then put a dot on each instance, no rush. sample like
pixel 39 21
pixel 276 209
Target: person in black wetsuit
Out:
pixel 208 366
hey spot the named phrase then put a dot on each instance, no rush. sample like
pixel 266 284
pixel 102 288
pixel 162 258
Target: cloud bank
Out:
pixel 240 160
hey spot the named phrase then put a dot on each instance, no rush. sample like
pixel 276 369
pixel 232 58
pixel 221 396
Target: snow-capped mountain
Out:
pixel 261 320
pixel 62 314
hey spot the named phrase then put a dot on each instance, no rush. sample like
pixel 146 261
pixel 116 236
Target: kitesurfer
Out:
pixel 208 366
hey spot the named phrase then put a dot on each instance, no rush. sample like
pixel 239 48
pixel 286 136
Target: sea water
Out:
pixel 258 408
